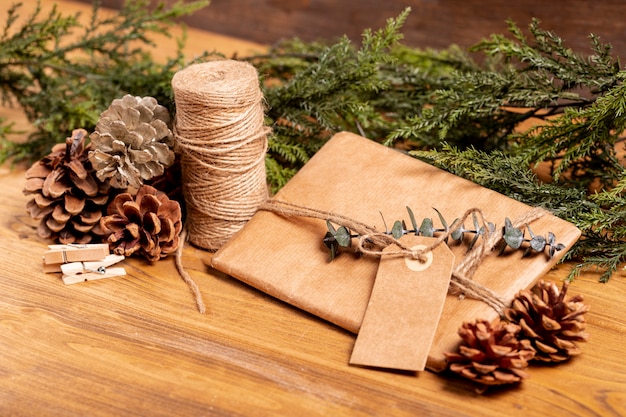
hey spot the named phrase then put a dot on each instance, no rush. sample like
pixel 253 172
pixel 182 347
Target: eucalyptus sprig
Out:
pixel 512 237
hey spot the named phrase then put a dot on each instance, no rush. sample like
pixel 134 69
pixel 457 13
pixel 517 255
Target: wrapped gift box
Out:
pixel 363 180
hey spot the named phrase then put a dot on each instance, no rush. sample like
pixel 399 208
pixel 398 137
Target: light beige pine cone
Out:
pixel 132 142
pixel 68 198
pixel 551 322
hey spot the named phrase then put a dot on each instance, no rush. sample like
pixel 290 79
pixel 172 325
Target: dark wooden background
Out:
pixel 432 23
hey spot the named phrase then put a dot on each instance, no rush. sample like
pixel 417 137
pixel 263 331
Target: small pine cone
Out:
pixel 132 142
pixel 68 198
pixel 491 354
pixel 148 224
pixel 551 323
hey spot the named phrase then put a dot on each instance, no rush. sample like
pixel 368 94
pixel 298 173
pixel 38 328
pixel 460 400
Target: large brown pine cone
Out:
pixel 551 322
pixel 491 354
pixel 68 198
pixel 132 142
pixel 148 224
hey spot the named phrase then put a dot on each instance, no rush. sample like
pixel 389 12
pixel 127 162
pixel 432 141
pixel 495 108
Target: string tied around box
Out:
pixel 222 141
pixel 461 281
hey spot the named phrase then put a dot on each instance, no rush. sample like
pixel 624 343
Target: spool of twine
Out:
pixel 222 141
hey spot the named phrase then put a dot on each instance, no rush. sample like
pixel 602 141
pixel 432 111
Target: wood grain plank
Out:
pixel 432 23
pixel 136 345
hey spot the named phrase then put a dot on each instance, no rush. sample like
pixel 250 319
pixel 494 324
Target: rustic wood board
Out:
pixel 137 345
pixel 361 179
pixel 431 24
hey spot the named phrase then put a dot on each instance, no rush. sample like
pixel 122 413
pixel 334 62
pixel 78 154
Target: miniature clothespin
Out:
pixel 62 254
pixel 75 272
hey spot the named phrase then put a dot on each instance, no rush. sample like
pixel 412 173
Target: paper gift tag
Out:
pixel 404 310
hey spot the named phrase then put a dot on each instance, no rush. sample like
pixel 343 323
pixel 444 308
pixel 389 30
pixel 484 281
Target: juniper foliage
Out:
pixel 458 109
pixel 314 90
pixel 64 73
pixel 582 104
pixel 601 216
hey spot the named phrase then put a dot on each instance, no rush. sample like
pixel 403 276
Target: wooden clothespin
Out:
pixel 62 254
pixel 75 272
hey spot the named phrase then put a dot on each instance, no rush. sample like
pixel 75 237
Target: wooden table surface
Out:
pixel 136 345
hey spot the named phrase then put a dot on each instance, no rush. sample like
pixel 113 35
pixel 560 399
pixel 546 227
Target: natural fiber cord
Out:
pixel 222 141
pixel 461 282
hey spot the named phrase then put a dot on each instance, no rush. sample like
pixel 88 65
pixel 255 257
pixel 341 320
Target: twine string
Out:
pixel 195 290
pixel 371 242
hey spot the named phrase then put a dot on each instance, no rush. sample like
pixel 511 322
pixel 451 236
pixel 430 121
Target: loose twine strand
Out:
pixel 195 290
pixel 221 137
pixel 461 281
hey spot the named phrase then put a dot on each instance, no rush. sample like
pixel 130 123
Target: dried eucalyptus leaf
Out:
pixel 427 229
pixel 555 248
pixel 331 243
pixel 473 242
pixel 330 227
pixel 413 222
pixel 343 237
pixel 397 230
pixel 538 243
pixel 476 224
pixel 457 234
pixel 442 220
pixel 513 237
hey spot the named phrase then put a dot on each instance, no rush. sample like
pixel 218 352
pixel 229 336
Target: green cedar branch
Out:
pixel 64 73
pixel 448 107
pixel 600 216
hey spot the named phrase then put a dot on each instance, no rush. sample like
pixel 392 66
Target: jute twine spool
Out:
pixel 222 141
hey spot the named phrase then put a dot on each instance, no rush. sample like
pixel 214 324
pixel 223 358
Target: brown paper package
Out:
pixel 363 180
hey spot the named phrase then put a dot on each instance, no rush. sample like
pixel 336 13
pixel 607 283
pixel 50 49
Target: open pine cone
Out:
pixel 552 323
pixel 69 200
pixel 148 224
pixel 132 142
pixel 491 354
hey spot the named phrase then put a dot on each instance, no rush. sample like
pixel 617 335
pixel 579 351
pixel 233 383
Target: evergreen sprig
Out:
pixel 600 216
pixel 458 109
pixel 64 73
pixel 313 91
pixel 471 128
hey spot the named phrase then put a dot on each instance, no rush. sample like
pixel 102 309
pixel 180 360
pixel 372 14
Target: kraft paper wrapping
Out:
pixel 361 179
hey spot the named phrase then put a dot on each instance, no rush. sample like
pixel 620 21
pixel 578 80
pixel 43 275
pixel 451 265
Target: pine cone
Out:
pixel 132 142
pixel 148 224
pixel 491 354
pixel 69 200
pixel 552 323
